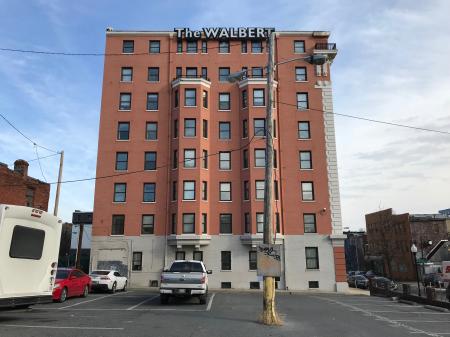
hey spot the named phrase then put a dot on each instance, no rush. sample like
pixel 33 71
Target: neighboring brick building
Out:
pixel 17 188
pixel 196 145
pixel 390 237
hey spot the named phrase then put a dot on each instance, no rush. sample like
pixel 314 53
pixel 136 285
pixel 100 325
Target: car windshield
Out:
pixel 62 274
pixel 100 272
pixel 360 277
pixel 186 267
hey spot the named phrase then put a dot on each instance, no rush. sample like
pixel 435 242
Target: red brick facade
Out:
pixel 17 188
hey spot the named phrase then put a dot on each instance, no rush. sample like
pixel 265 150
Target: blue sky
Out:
pixel 392 65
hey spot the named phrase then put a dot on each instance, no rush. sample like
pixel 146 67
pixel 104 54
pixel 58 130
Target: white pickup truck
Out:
pixel 184 278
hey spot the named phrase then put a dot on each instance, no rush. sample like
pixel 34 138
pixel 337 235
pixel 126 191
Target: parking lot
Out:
pixel 139 313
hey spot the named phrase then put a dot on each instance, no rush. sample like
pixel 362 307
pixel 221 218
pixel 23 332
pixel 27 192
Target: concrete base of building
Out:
pixel 342 287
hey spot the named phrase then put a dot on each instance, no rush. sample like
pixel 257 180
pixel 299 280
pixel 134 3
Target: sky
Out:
pixel 392 65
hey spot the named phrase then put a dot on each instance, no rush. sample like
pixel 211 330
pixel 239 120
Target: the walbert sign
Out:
pixel 224 33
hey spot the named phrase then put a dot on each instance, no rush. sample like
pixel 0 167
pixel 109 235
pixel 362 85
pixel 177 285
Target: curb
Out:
pixel 407 302
pixel 432 307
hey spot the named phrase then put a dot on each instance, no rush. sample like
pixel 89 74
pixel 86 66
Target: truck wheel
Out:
pixel 202 298
pixel 164 298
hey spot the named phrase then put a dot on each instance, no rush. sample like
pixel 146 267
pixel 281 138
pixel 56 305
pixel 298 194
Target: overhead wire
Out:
pixel 39 162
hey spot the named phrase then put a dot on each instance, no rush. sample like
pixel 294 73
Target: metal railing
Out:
pixel 325 46
pixel 190 76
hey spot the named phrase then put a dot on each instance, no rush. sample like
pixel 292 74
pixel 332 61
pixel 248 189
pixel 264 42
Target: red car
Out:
pixel 70 283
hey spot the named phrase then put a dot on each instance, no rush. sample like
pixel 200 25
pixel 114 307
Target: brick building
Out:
pixel 17 188
pixel 390 237
pixel 193 145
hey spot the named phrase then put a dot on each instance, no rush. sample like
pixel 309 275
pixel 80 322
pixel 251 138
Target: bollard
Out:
pixel 431 293
pixel 406 289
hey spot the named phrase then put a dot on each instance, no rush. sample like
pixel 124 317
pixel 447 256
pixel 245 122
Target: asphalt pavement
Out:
pixel 138 313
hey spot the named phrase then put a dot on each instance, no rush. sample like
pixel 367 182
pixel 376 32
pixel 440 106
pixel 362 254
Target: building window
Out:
pixel 197 255
pixel 275 159
pixel 204 223
pixel 309 221
pixel 312 257
pixel 313 284
pixel 151 131
pixel 246 222
pixel 255 285
pixel 125 101
pixel 179 46
pixel 259 127
pixel 259 187
pixel 274 128
pixel 244 128
pixel 224 101
pixel 29 195
pixel 259 222
pixel 121 161
pixel 174 223
pixel 205 159
pixel 174 190
pixel 123 131
pixel 190 97
pixel 137 261
pixel 224 130
pixel 191 47
pixel 260 158
pixel 246 190
pixel 189 127
pixel 191 72
pixel 175 159
pixel 300 73
pixel 150 161
pixel 244 99
pixel 152 101
pixel 188 190
pixel 153 74
pixel 275 190
pixel 299 47
pixel 180 255
pixel 175 128
pixel 188 223
pixel 154 47
pixel 189 158
pixel 128 47
pixel 302 100
pixel 118 225
pixel 226 226
pixel 225 191
pixel 178 72
pixel 149 192
pixel 257 72
pixel 223 74
pixel 120 192
pixel 204 190
pixel 258 97
pixel 205 99
pixel 224 47
pixel 307 191
pixel 245 159
pixel 176 98
pixel 225 160
pixel 204 46
pixel 305 160
pixel 303 130
pixel 257 47
pixel 245 70
pixel 225 285
pixel 244 46
pixel 205 128
pixel 148 224
pixel 126 74
pixel 252 260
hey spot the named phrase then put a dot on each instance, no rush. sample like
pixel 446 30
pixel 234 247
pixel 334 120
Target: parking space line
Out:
pixel 58 327
pixel 144 301
pixel 415 320
pixel 208 308
pixel 88 301
pixel 409 312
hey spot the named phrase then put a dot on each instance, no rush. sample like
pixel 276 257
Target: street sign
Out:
pixel 268 259
pixel 83 218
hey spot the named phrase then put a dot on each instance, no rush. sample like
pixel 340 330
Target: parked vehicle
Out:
pixel 29 242
pixel 433 280
pixel 184 278
pixel 361 282
pixel 108 280
pixel 70 283
pixel 383 283
pixel 370 274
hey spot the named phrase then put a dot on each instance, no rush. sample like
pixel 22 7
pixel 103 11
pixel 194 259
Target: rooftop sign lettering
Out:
pixel 224 33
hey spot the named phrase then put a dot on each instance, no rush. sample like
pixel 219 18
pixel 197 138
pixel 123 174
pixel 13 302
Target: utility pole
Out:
pixel 80 242
pixel 270 316
pixel 58 186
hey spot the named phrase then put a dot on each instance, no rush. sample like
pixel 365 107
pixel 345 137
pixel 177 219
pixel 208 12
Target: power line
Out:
pixel 370 119
pixel 40 167
pixel 143 170
pixel 26 137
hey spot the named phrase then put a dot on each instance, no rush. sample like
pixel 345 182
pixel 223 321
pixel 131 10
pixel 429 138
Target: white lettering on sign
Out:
pixel 224 33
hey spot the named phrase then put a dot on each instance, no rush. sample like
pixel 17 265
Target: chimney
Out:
pixel 21 166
